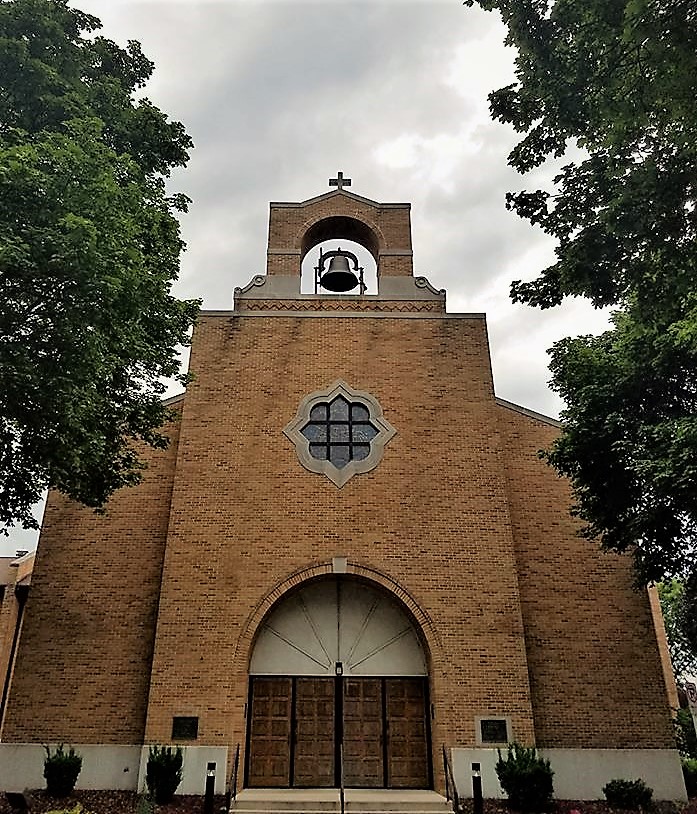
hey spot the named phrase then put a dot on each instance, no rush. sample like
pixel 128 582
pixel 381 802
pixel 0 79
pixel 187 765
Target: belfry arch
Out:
pixel 383 229
pixel 338 687
pixel 341 227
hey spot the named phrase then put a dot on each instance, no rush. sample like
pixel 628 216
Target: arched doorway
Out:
pixel 338 685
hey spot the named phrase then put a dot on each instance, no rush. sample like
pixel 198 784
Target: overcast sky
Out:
pixel 279 95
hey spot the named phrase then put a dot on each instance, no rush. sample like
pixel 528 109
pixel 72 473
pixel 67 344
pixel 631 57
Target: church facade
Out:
pixel 349 558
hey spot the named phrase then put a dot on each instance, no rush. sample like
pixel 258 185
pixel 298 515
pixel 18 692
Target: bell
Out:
pixel 338 277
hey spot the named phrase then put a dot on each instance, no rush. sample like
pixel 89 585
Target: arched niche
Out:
pixel 365 261
pixel 340 227
pixel 338 621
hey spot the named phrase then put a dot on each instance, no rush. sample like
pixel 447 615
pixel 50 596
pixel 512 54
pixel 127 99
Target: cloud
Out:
pixel 280 95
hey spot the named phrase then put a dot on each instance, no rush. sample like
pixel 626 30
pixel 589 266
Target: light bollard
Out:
pixel 209 796
pixel 477 797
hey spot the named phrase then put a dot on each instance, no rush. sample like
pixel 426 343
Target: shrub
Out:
pixel 78 809
pixel 164 772
pixel 525 777
pixel 631 794
pixel 145 805
pixel 685 735
pixel 61 769
pixel 689 772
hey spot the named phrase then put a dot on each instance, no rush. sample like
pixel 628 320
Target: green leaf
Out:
pixel 617 78
pixel 89 250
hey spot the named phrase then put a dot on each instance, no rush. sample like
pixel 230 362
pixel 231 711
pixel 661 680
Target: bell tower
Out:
pixel 296 229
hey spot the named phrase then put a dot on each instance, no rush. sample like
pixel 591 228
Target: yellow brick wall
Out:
pixel 595 667
pixel 431 518
pixel 83 665
pixel 521 617
pixel 461 520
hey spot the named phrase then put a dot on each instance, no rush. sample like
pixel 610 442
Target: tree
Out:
pixel 89 249
pixel 610 86
pixel 674 607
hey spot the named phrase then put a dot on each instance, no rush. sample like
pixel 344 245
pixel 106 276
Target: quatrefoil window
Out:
pixel 339 432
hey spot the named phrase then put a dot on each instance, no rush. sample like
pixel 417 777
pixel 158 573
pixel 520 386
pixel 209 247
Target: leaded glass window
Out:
pixel 339 431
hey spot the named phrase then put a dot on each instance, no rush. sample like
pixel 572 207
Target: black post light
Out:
pixel 477 797
pixel 208 799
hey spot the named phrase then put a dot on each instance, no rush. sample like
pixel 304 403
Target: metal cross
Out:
pixel 340 181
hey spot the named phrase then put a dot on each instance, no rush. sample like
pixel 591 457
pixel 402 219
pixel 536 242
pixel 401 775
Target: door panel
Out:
pixel 407 745
pixel 296 727
pixel 315 740
pixel 269 732
pixel 363 732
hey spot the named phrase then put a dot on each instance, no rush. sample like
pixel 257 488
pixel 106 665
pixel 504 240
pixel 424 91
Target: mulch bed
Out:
pixel 586 807
pixel 126 802
pixel 110 802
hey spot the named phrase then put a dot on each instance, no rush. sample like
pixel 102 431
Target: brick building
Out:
pixel 349 557
pixel 15 582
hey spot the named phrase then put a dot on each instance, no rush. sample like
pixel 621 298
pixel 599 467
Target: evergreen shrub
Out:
pixel 628 794
pixel 525 777
pixel 61 770
pixel 164 772
pixel 145 805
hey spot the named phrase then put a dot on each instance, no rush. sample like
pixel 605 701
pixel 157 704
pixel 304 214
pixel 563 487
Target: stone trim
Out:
pixel 333 193
pixel 580 774
pixel 529 413
pixel 255 282
pixel 339 477
pixel 340 315
pixel 172 400
pixel 286 288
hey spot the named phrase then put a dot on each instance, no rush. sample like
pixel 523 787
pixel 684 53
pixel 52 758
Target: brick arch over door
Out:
pixel 422 621
pixel 338 690
pixel 338 623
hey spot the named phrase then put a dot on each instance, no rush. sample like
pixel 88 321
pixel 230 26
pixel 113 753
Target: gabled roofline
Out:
pixel 529 413
pixel 168 402
pixel 333 193
pixel 553 422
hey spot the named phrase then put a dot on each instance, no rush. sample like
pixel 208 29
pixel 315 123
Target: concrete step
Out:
pixel 336 809
pixel 326 801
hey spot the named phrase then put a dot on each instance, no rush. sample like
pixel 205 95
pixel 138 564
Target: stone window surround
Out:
pixel 478 730
pixel 339 477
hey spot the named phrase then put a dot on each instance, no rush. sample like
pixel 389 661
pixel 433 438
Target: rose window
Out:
pixel 339 432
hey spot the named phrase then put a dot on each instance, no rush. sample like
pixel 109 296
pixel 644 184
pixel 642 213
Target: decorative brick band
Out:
pixel 432 306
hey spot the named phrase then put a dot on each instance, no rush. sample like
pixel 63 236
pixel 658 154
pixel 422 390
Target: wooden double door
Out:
pixel 305 731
